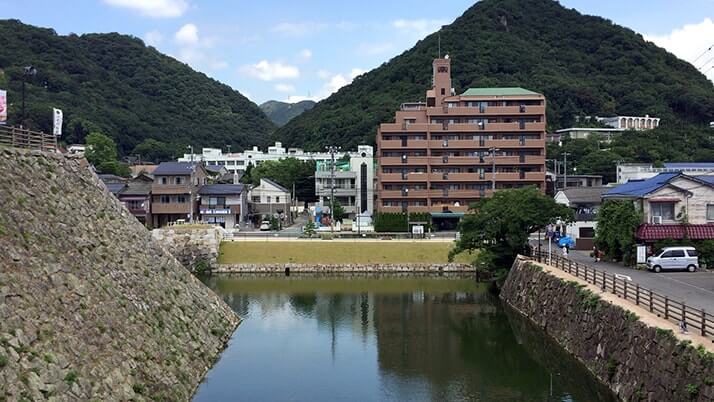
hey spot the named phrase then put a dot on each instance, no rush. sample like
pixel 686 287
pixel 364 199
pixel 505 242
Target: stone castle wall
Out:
pixel 353 268
pixel 195 248
pixel 636 361
pixel 91 307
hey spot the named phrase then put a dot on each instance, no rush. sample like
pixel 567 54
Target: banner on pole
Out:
pixel 3 106
pixel 57 125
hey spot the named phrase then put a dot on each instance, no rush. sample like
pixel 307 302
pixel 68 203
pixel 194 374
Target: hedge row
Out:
pixel 399 221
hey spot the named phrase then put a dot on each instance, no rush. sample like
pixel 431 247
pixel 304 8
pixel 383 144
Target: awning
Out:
pixel 650 232
pixel 447 214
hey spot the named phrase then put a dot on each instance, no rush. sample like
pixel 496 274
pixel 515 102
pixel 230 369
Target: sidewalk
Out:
pixel 696 289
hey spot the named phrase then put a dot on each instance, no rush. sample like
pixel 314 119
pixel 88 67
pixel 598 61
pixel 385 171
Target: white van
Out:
pixel 674 258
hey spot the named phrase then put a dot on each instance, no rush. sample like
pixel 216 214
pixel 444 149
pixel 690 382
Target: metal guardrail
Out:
pixel 672 310
pixel 23 138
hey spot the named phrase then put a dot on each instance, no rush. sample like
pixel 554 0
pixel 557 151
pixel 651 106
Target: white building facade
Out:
pixel 630 122
pixel 353 181
pixel 237 162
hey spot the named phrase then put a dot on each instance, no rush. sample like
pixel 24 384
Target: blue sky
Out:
pixel 284 50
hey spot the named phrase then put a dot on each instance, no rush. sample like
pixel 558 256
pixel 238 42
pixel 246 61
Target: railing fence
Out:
pixel 23 138
pixel 672 310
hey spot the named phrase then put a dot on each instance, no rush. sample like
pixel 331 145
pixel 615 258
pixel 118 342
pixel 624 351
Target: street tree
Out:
pixel 498 228
pixel 617 221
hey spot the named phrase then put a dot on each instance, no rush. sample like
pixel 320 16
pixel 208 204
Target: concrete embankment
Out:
pixel 346 268
pixel 91 307
pixel 195 247
pixel 637 356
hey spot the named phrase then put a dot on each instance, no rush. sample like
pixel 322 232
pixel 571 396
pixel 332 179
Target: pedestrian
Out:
pixel 565 251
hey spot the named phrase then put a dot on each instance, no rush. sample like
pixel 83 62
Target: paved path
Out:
pixel 696 289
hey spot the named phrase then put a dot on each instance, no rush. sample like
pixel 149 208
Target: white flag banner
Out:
pixel 57 127
pixel 3 106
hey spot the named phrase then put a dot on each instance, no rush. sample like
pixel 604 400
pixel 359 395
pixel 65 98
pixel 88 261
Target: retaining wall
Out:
pixel 637 361
pixel 353 268
pixel 91 307
pixel 195 248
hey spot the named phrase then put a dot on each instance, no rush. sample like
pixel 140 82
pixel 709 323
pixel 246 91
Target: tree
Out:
pixel 154 150
pixel 499 226
pixel 339 212
pixel 617 221
pixel 287 172
pixel 100 149
pixel 309 229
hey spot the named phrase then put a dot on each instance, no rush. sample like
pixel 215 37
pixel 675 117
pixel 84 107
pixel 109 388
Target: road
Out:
pixel 696 289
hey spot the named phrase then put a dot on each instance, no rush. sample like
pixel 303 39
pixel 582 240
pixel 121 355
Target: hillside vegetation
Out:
pixel 115 84
pixel 584 65
pixel 282 112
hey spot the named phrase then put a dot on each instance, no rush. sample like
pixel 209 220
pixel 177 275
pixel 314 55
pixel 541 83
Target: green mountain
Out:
pixel 282 112
pixel 115 84
pixel 584 65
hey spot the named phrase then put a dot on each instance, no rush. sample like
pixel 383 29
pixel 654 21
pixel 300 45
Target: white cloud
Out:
pixel 153 38
pixel 299 28
pixel 323 74
pixel 269 71
pixel 187 35
pixel 689 42
pixel 306 54
pixel 300 98
pixel 153 8
pixel 419 27
pixel 284 88
pixel 338 81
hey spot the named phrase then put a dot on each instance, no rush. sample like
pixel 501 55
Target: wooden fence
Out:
pixel 695 319
pixel 24 138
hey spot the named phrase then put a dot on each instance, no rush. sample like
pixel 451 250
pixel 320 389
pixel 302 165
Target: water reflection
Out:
pixel 379 338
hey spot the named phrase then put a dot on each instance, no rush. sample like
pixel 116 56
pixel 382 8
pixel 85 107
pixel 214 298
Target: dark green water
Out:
pixel 386 338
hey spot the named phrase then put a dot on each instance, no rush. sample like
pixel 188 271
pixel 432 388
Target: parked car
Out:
pixel 265 225
pixel 566 241
pixel 674 258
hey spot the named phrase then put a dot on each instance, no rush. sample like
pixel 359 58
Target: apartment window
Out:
pixel 135 204
pixel 164 180
pixel 181 199
pixel 663 209
pixel 269 198
pixel 231 163
pixel 216 202
pixel 710 212
pixel 165 199
pixel 277 199
pixel 255 198
pixel 443 91
pixel 178 180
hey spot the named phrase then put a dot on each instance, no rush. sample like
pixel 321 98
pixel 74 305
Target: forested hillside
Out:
pixel 282 112
pixel 115 84
pixel 584 65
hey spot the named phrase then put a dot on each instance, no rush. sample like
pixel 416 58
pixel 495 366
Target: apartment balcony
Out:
pixel 410 209
pixel 457 161
pixel 529 110
pixel 397 177
pixel 397 160
pixel 170 208
pixel 411 194
pixel 397 144
pixel 489 127
pixel 449 207
pixel 535 176
pixel 158 189
pixel 400 127
pixel 339 191
pixel 454 144
pixel 456 177
pixel 339 174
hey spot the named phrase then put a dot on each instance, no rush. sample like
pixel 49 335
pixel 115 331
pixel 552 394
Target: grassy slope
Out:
pixel 329 252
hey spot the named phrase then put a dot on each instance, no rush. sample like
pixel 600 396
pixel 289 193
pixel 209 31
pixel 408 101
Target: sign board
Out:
pixel 209 211
pixel 641 254
pixel 418 229
pixel 57 122
pixel 3 106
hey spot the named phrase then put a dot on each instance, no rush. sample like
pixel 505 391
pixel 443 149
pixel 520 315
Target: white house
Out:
pixel 223 204
pixel 269 199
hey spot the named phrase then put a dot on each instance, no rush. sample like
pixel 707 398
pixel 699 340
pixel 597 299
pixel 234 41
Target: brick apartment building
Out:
pixel 438 156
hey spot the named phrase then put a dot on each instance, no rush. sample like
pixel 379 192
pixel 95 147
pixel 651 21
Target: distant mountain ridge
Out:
pixel 282 112
pixel 115 84
pixel 584 65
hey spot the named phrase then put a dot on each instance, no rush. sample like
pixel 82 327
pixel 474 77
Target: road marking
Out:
pixel 620 276
pixel 687 284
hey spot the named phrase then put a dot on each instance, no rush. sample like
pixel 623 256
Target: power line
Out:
pixel 705 52
pixel 705 63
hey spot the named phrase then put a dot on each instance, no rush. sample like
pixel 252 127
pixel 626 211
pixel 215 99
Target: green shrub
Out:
pixel 630 316
pixel 3 361
pixel 692 390
pixel 71 377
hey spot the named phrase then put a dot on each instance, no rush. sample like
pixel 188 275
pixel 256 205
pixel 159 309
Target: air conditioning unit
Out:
pixel 657 220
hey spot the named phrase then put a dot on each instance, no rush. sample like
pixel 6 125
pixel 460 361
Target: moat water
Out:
pixel 385 338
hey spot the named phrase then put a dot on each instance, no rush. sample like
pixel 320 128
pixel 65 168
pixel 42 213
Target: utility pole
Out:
pixel 493 151
pixel 332 149
pixel 190 187
pixel 565 169
pixel 28 71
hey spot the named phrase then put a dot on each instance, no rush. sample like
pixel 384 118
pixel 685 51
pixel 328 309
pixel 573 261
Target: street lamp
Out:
pixel 492 151
pixel 27 72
